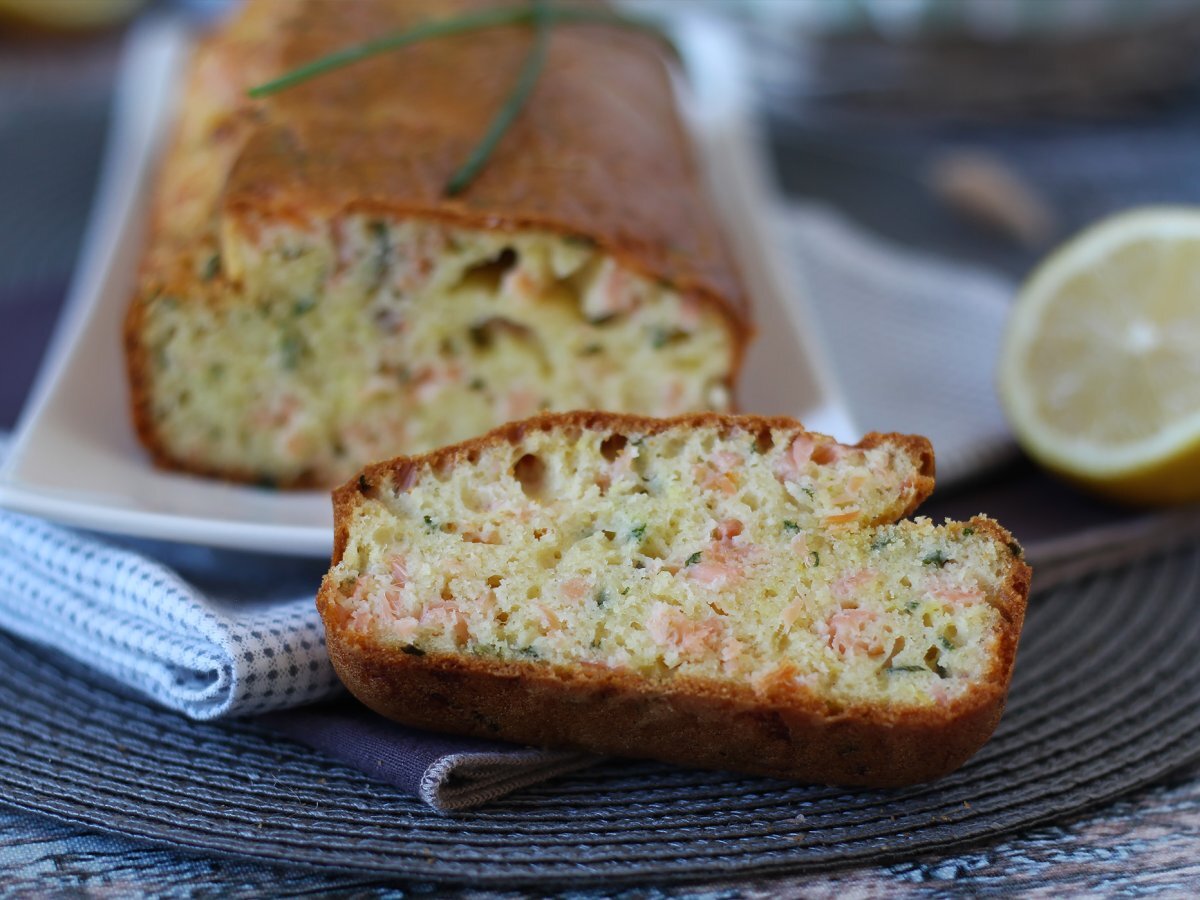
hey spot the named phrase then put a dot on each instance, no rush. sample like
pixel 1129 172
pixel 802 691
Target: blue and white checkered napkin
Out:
pixel 207 633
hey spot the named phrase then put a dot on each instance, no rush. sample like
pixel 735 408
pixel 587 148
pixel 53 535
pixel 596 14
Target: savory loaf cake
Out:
pixel 717 591
pixel 311 299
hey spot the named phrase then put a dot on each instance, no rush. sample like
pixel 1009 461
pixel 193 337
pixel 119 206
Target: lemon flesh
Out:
pixel 1100 366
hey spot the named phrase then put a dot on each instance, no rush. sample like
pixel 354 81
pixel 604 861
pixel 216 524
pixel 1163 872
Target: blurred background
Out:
pixel 979 130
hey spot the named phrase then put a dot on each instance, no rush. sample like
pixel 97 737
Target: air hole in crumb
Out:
pixel 533 592
pixel 764 441
pixel 610 535
pixel 931 661
pixel 530 470
pixel 494 581
pixel 473 456
pixel 931 658
pixel 485 333
pixel 447 594
pixel 491 271
pixel 472 500
pixel 654 547
pixel 611 446
pixel 896 648
pixel 927 620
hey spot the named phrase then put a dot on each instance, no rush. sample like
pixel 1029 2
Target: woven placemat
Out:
pixel 1106 698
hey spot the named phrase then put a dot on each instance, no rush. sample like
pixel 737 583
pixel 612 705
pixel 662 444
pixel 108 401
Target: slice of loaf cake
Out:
pixel 311 300
pixel 719 591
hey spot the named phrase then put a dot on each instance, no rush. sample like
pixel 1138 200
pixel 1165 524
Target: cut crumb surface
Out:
pixel 341 345
pixel 725 553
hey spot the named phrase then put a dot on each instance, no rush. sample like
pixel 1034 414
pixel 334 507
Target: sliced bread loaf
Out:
pixel 311 300
pixel 718 591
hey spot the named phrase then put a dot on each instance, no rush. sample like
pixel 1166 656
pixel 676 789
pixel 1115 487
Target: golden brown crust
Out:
pixel 599 152
pixel 512 433
pixel 789 732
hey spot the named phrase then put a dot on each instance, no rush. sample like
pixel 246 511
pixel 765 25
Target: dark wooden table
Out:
pixel 52 101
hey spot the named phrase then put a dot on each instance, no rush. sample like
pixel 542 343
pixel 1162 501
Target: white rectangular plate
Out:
pixel 76 459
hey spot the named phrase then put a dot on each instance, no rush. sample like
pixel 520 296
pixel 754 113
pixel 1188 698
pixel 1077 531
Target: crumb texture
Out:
pixel 321 350
pixel 738 553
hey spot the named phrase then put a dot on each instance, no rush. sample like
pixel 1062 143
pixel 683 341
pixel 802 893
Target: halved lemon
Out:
pixel 1100 366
